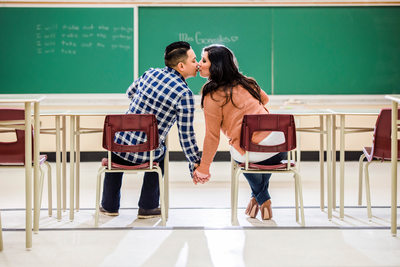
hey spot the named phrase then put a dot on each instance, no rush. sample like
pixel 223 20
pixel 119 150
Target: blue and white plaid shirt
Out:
pixel 164 93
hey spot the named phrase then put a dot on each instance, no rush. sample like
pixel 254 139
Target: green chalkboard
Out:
pixel 66 50
pixel 337 50
pixel 245 30
pixel 288 50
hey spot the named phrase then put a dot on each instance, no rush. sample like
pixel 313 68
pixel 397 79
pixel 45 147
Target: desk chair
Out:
pixel 12 154
pixel 380 151
pixel 267 122
pixel 146 123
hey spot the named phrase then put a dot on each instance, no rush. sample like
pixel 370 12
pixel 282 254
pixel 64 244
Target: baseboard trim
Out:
pixel 93 156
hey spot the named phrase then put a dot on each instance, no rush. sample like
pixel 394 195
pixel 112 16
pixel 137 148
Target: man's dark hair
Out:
pixel 175 53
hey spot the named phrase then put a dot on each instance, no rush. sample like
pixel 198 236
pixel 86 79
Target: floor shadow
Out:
pixel 194 243
pixel 258 222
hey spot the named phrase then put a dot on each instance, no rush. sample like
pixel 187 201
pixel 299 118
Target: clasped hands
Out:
pixel 199 177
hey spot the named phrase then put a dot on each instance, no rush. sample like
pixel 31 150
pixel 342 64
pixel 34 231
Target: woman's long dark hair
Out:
pixel 224 74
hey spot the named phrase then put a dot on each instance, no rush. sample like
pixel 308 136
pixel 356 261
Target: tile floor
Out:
pixel 199 232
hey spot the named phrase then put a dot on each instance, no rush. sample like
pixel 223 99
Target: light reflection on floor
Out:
pixel 199 232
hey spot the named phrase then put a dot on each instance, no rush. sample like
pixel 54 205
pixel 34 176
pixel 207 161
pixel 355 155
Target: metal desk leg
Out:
pixel 78 161
pixel 36 159
pixel 329 163
pixel 233 173
pixel 166 179
pixel 334 161
pixel 393 227
pixel 342 158
pixel 28 176
pixel 58 167
pixel 298 149
pixel 321 162
pixel 64 162
pixel 71 165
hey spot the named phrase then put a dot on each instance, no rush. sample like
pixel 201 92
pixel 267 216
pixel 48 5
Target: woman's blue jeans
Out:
pixel 149 196
pixel 259 182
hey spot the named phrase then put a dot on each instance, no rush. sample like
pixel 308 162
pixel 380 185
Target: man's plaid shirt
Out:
pixel 164 93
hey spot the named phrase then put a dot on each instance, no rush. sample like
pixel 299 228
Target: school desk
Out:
pixel 342 113
pixel 28 100
pixel 61 186
pixel 321 130
pixel 75 131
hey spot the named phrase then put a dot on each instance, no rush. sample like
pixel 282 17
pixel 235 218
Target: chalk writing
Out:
pixel 52 43
pixel 87 44
pixel 45 38
pixel 64 43
pixel 73 39
pixel 88 27
pixel 202 39
pixel 69 35
pixel 103 28
pixel 49 51
pixel 68 51
pixel 121 36
pixel 87 35
pixel 70 27
pixel 123 29
pixel 115 46
pixel 101 35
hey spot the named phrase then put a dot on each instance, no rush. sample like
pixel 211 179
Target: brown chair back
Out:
pixel 146 123
pixel 381 146
pixel 268 122
pixel 13 152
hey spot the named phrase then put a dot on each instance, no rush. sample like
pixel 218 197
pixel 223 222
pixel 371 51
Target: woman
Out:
pixel 227 96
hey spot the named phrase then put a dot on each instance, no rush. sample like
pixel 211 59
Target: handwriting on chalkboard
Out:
pixel 71 39
pixel 203 39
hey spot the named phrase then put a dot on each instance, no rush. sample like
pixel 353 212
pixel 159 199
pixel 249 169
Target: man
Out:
pixel 164 93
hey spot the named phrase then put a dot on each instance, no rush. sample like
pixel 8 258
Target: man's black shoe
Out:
pixel 108 213
pixel 151 213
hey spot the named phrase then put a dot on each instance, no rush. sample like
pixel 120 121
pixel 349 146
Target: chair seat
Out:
pixel 104 162
pixel 368 154
pixel 281 166
pixel 42 159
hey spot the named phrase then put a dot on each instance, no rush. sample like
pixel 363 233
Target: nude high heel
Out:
pixel 266 210
pixel 252 208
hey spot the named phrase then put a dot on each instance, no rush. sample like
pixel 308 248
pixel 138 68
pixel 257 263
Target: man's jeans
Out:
pixel 259 182
pixel 149 197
